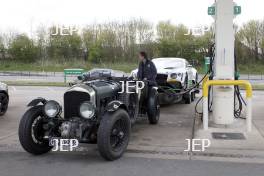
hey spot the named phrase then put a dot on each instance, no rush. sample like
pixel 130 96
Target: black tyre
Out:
pixel 187 98
pixel 3 103
pixel 113 134
pixel 192 96
pixel 153 109
pixel 31 134
pixel 186 82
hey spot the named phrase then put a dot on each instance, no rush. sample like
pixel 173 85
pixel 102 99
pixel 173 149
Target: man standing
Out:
pixel 146 70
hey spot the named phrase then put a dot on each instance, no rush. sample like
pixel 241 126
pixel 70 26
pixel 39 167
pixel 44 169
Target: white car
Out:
pixel 174 75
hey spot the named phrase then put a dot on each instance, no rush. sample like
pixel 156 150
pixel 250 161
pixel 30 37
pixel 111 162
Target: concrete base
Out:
pixel 249 150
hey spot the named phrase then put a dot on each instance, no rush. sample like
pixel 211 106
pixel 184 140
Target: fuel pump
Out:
pixel 223 76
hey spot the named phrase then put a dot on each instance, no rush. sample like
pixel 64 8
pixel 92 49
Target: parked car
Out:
pixel 4 98
pixel 97 73
pixel 174 75
pixel 94 112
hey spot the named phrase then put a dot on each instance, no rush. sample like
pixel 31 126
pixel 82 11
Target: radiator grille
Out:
pixel 72 102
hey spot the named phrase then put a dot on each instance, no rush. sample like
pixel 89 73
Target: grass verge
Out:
pixel 258 87
pixel 27 83
pixel 60 65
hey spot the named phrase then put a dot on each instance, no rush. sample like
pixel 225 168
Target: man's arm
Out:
pixel 139 73
pixel 153 72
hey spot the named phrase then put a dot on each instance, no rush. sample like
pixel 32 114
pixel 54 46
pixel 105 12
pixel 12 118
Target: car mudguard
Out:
pixel 115 105
pixel 5 92
pixel 36 101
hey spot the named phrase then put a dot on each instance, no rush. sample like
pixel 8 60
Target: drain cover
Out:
pixel 229 136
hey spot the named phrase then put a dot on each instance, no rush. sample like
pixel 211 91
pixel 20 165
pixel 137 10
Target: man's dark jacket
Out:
pixel 147 70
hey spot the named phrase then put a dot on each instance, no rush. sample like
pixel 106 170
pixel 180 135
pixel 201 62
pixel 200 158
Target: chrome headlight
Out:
pixel 87 110
pixel 52 108
pixel 180 75
pixel 173 75
pixel 3 86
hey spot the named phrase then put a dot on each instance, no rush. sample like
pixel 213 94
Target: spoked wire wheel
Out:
pixel 113 134
pixel 31 133
pixel 133 107
pixel 119 135
pixel 37 131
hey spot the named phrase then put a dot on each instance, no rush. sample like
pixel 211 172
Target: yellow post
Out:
pixel 244 83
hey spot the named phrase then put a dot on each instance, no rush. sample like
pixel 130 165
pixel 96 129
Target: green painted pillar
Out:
pixel 206 64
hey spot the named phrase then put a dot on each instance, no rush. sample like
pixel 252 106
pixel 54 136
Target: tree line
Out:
pixel 120 42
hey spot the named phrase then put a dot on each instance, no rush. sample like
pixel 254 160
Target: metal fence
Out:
pixel 252 76
pixel 249 76
pixel 31 73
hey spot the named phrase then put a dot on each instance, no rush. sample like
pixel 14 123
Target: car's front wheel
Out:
pixel 186 82
pixel 196 80
pixel 3 103
pixel 113 134
pixel 31 132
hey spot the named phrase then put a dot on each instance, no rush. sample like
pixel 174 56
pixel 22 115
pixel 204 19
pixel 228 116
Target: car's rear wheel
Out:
pixel 196 80
pixel 3 103
pixel 31 132
pixel 113 134
pixel 187 97
pixel 153 109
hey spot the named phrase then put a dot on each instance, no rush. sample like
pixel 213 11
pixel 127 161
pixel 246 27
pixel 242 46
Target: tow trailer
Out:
pixel 175 95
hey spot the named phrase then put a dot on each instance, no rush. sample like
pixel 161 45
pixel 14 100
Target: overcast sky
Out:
pixel 24 15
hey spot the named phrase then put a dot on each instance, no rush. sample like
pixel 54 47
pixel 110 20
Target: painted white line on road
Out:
pixel 14 89
pixel 50 89
pixel 28 79
pixel 9 135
